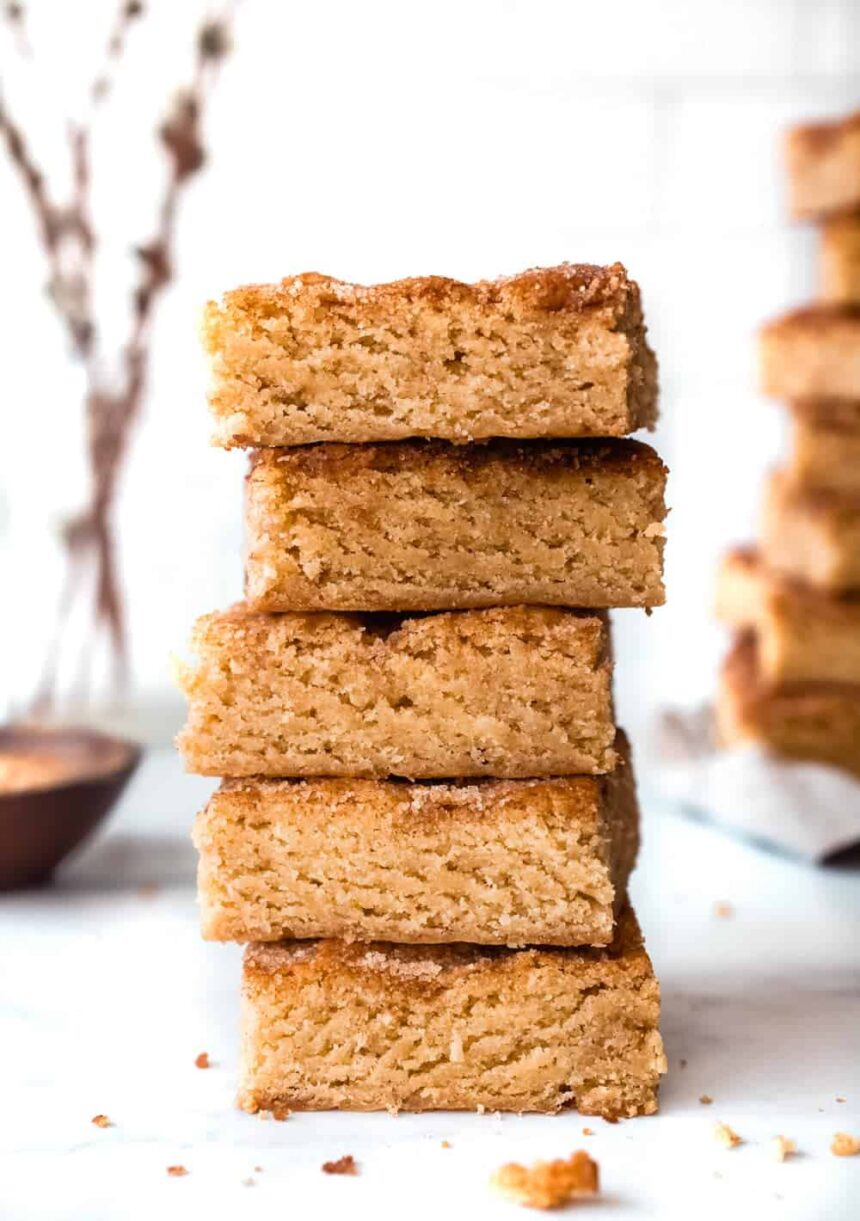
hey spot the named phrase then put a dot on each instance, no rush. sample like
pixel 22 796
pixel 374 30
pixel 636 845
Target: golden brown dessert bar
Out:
pixel 554 352
pixel 825 455
pixel 819 722
pixel 516 692
pixel 823 161
pixel 331 1026
pixel 492 862
pixel 424 525
pixel 812 353
pixel 839 260
pixel 801 635
pixel 811 535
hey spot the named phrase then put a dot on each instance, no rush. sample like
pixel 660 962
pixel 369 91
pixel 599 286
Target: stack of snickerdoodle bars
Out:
pixel 428 816
pixel 792 681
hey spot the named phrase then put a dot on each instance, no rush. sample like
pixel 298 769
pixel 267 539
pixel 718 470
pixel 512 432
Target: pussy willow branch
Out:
pixel 113 395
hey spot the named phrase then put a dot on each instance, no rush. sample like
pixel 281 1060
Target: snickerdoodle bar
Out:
pixel 553 352
pixel 418 525
pixel 801 635
pixel 815 721
pixel 514 692
pixel 492 862
pixel 812 353
pixel 329 1025
pixel 811 535
pixel 823 162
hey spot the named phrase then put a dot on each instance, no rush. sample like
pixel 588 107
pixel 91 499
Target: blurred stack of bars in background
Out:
pixel 792 680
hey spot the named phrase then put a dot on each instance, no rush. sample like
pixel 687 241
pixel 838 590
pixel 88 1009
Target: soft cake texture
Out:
pixel 812 353
pixel 839 260
pixel 427 525
pixel 493 862
pixel 801 636
pixel 554 352
pixel 823 162
pixel 328 1025
pixel 819 722
pixel 516 692
pixel 811 535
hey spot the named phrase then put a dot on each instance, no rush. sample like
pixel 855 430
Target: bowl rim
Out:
pixel 75 735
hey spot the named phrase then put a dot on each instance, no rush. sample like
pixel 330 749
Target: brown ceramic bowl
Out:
pixel 56 786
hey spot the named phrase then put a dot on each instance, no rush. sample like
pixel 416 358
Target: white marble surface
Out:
pixel 107 995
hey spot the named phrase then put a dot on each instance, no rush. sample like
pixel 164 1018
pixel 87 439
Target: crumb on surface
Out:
pixel 249 1182
pixel 705 1100
pixel 682 1063
pixel 727 1136
pixel 343 1165
pixel 446 1144
pixel 147 891
pixel 548 1184
pixel 203 1060
pixel 839 1098
pixel 101 1121
pixel 845 1145
pixel 176 1172
pixel 723 910
pixel 588 1131
pixel 783 1147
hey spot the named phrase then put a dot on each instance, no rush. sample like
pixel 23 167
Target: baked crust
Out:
pixel 421 525
pixel 823 162
pixel 331 1025
pixel 557 351
pixel 511 692
pixel 812 353
pixel 493 862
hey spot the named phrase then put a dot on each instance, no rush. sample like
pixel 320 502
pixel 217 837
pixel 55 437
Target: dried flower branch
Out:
pixel 68 238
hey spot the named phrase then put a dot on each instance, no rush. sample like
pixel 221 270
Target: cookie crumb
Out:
pixel 280 1113
pixel 727 1136
pixel 176 1172
pixel 203 1060
pixel 258 1170
pixel 249 1182
pixel 723 910
pixel 548 1184
pixel 682 1063
pixel 705 1100
pixel 844 1145
pixel 587 1131
pixel 343 1165
pixel 101 1121
pixel 839 1098
pixel 783 1147
pixel 148 890
pixel 446 1144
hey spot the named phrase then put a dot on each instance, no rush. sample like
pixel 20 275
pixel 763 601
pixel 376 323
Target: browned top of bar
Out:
pixel 584 799
pixel 621 456
pixel 569 287
pixel 821 135
pixel 427 967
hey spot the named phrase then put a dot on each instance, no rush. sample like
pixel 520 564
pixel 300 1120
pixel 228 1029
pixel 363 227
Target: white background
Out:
pixel 379 139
